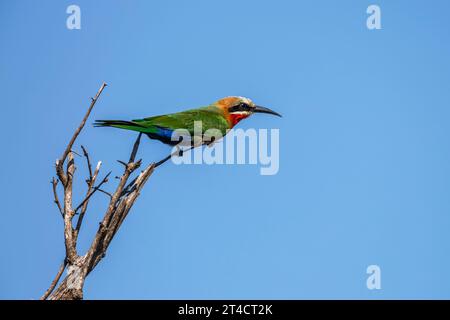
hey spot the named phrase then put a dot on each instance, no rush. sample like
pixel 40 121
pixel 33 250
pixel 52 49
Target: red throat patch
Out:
pixel 236 117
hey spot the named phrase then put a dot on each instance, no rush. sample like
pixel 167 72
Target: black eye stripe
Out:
pixel 240 107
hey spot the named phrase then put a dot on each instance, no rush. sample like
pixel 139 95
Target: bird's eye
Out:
pixel 240 107
pixel 244 107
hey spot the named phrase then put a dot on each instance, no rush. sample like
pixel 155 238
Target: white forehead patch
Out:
pixel 246 100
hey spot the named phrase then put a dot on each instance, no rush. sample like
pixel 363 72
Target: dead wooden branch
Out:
pixel 120 203
pixel 55 281
pixel 55 196
pixel 60 162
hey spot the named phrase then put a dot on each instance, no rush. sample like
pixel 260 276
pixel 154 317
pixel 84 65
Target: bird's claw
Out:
pixel 179 152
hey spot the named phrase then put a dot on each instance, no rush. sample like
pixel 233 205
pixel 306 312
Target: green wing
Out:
pixel 210 117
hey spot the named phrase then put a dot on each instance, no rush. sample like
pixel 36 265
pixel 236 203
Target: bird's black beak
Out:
pixel 259 109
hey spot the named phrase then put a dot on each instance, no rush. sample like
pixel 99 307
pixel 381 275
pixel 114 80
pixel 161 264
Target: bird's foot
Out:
pixel 179 152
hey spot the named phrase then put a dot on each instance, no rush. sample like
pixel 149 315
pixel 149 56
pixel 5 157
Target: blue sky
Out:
pixel 364 150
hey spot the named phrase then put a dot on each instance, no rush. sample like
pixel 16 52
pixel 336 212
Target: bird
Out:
pixel 221 115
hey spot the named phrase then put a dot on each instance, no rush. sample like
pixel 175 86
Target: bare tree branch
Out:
pixel 55 196
pixel 60 161
pixel 105 192
pixel 90 193
pixel 98 247
pixel 135 148
pixel 70 244
pixel 178 153
pixel 120 203
pixel 88 160
pixel 83 122
pixel 55 281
